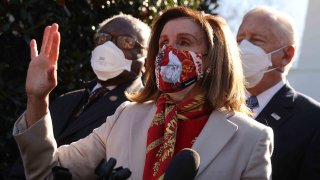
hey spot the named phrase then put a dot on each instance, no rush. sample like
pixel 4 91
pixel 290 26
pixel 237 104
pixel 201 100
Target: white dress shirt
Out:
pixel 265 97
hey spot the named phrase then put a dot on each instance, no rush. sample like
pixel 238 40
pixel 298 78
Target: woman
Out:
pixel 193 98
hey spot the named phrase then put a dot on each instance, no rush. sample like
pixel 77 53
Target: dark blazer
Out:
pixel 67 129
pixel 295 120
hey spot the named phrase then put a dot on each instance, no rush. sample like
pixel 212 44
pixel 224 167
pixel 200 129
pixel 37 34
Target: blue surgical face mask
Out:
pixel 255 62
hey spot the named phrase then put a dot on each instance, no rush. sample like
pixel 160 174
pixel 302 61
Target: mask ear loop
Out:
pixel 272 69
pixel 277 50
pixel 275 68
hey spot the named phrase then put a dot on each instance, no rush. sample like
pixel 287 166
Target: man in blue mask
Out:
pixel 117 61
pixel 267 41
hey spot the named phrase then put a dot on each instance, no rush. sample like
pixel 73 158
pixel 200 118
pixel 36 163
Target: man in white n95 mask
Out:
pixel 267 41
pixel 117 61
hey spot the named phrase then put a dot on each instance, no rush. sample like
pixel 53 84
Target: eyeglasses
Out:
pixel 122 41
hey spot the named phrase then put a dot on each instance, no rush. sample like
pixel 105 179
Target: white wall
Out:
pixel 306 76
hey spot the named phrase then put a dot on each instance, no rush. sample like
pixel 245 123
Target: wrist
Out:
pixel 37 107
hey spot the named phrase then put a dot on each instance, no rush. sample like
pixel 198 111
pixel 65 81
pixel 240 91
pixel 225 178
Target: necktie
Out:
pixel 252 102
pixel 96 94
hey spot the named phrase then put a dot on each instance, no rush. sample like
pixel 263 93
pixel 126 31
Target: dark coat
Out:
pixel 295 120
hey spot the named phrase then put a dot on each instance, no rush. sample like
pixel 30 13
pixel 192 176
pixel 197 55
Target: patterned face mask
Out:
pixel 176 70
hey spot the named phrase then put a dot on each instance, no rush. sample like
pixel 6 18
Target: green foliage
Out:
pixel 21 21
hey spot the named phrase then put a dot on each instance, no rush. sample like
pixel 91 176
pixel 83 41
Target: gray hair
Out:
pixel 142 28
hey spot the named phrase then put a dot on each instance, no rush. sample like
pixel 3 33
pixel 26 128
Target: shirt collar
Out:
pixel 99 85
pixel 265 96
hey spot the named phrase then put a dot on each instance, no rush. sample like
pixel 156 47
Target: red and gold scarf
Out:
pixel 173 128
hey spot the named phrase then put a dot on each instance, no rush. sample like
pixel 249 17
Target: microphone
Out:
pixel 183 166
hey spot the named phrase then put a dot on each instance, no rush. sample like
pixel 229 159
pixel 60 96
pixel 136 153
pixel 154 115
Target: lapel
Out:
pixel 105 106
pixel 138 140
pixel 279 108
pixel 63 108
pixel 214 136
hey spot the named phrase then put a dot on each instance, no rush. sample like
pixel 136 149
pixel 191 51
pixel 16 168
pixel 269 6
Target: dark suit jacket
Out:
pixel 67 129
pixel 296 154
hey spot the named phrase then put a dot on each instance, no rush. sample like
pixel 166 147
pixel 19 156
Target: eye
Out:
pixel 126 42
pixel 162 43
pixel 257 42
pixel 184 42
pixel 101 38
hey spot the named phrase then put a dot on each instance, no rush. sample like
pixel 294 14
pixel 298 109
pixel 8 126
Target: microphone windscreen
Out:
pixel 183 166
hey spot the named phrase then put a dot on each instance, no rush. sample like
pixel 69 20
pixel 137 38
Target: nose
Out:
pixel 247 37
pixel 243 35
pixel 172 44
pixel 114 40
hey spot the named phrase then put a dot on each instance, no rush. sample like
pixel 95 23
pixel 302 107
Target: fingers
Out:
pixel 54 53
pixel 53 30
pixel 48 38
pixel 45 39
pixel 33 49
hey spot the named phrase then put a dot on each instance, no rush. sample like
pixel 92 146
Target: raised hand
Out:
pixel 42 75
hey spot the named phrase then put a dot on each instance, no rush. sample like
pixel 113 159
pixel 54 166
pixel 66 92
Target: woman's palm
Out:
pixel 42 76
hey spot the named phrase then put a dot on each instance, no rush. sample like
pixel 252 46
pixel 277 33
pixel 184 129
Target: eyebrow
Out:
pixel 184 34
pixel 188 34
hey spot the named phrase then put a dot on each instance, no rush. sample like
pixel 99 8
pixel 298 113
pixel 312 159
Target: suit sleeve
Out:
pixel 40 154
pixel 310 168
pixel 259 165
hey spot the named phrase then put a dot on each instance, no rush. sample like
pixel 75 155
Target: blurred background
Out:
pixel 22 20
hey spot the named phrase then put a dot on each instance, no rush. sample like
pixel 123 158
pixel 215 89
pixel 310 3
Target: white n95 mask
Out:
pixel 255 62
pixel 108 61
